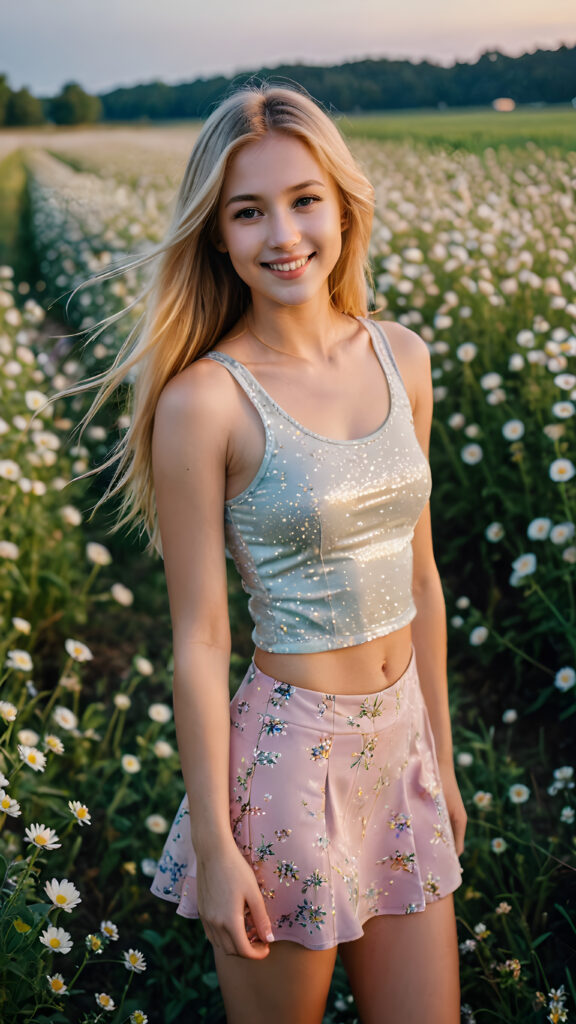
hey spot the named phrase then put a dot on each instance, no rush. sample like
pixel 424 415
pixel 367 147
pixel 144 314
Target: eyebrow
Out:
pixel 251 198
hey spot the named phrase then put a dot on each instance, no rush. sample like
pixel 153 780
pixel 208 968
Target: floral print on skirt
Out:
pixel 336 802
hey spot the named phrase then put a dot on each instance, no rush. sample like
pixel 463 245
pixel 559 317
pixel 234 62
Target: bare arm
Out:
pixel 429 625
pixel 189 465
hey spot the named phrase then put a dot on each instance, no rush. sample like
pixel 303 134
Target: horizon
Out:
pixel 114 46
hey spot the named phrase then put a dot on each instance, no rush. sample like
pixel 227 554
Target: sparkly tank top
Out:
pixel 322 535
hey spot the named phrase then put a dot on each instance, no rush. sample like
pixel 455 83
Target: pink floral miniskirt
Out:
pixel 336 802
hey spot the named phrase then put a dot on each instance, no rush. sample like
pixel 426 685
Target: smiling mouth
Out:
pixel 291 265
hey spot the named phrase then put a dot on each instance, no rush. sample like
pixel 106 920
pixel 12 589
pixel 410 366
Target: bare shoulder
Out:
pixel 406 344
pixel 196 402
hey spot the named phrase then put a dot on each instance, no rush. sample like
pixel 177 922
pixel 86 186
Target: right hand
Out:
pixel 231 906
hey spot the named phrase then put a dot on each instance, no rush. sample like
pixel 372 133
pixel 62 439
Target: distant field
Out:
pixel 472 128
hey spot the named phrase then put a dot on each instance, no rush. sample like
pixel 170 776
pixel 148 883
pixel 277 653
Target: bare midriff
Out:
pixel 363 668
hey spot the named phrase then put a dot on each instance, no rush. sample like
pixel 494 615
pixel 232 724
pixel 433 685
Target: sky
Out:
pixel 103 44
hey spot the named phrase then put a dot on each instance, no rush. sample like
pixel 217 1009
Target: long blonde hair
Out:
pixel 195 296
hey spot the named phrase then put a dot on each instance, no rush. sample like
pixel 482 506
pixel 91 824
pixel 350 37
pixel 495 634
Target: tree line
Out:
pixel 545 76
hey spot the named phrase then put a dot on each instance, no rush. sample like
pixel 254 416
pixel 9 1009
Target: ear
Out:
pixel 219 245
pixel 344 218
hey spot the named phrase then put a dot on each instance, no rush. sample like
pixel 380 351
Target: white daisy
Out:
pixel 130 764
pixel 53 743
pixel 160 713
pixel 565 678
pixel 122 594
pixel 98 554
pixel 134 961
pixel 80 812
pixel 56 983
pixel 478 636
pixel 8 805
pixel 163 749
pixel 42 836
pixel 77 650
pixel 71 515
pixel 28 737
pixel 525 565
pixel 33 757
pixel 22 625
pixel 561 533
pixel 9 470
pixel 20 661
pixel 9 550
pixel 482 800
pixel 471 454
pixel 57 940
pixel 110 929
pixel 464 759
pixel 567 815
pixel 539 528
pixel 64 717
pixel 518 793
pixel 490 380
pixel 8 711
pixel 156 823
pixel 498 845
pixel 122 701
pixel 561 470
pixel 563 410
pixel 494 532
pixel 509 716
pixel 466 352
pixel 513 430
pixel 143 666
pixel 63 895
pixel 105 1001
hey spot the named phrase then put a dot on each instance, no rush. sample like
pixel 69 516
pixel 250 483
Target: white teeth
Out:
pixel 293 265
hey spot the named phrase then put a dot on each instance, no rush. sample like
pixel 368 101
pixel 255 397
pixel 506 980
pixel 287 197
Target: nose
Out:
pixel 284 231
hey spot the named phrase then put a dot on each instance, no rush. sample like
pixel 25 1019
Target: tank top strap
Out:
pixel 384 351
pixel 255 392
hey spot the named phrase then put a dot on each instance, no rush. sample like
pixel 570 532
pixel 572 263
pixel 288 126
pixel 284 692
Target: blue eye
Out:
pixel 248 213
pixel 308 200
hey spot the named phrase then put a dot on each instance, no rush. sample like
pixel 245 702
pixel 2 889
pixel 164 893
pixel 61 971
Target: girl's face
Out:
pixel 280 219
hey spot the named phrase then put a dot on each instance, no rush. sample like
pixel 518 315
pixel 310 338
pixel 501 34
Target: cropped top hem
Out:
pixel 339 642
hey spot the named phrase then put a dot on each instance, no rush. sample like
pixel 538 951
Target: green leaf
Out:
pixel 540 939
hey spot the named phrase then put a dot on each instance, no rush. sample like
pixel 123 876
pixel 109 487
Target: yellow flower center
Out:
pixel 61 899
pixel 5 803
pixel 56 985
pixel 55 942
pixel 41 840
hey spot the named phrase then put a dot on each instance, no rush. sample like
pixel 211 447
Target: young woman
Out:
pixel 273 419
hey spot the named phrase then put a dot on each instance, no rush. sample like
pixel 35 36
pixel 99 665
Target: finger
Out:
pixel 238 944
pixel 258 917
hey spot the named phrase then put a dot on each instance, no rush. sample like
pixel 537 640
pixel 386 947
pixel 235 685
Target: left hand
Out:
pixel 455 805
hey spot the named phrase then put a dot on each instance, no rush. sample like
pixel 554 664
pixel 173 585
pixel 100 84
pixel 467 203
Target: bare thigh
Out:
pixel 290 985
pixel 405 968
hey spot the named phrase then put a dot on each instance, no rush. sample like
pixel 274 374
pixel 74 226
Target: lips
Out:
pixel 285 266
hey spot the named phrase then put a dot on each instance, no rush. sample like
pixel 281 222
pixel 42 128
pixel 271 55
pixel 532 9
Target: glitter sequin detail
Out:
pixel 333 838
pixel 322 535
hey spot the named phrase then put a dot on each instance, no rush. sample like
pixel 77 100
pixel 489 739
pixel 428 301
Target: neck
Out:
pixel 307 333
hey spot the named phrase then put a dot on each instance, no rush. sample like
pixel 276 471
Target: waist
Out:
pixel 360 669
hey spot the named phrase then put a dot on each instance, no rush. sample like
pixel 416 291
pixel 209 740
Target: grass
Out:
pixel 472 128
pixel 15 242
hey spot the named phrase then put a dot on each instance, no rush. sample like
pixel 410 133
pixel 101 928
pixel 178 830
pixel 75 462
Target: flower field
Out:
pixel 476 252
